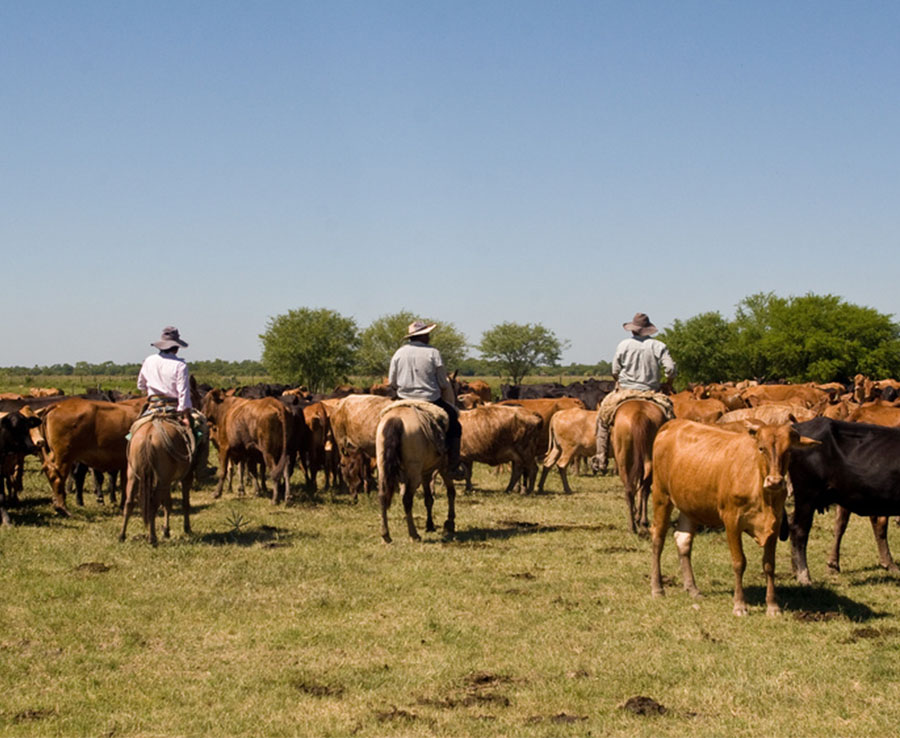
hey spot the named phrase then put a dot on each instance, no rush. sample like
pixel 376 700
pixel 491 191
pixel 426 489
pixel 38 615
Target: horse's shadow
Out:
pixel 262 535
pixel 508 529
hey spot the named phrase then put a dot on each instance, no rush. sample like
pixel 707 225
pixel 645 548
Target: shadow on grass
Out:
pixel 809 601
pixel 262 535
pixel 509 529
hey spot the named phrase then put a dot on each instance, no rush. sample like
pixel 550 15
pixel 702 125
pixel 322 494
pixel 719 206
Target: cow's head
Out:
pixel 775 442
pixel 15 433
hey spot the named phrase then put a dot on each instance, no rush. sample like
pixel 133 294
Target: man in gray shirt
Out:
pixel 637 369
pixel 417 372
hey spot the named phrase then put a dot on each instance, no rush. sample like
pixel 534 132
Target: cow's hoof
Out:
pixel 773 610
pixel 833 568
pixel 430 528
pixel 657 593
pixel 803 578
pixel 740 610
pixel 386 539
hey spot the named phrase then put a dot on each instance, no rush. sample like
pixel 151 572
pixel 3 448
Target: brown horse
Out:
pixel 158 457
pixel 409 449
pixel 634 429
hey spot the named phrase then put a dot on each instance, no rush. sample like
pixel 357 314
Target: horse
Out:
pixel 158 456
pixel 409 449
pixel 634 429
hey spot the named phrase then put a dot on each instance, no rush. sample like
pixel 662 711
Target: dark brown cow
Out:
pixel 92 432
pixel 718 478
pixel 14 440
pixel 248 428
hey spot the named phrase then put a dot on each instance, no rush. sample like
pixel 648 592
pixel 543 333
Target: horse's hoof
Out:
pixel 386 539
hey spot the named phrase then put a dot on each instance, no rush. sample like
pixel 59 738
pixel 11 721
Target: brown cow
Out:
pixel 479 387
pixel 573 433
pixel 704 410
pixel 718 478
pixel 319 438
pixel 496 434
pixel 246 429
pixel 92 432
pixel 801 394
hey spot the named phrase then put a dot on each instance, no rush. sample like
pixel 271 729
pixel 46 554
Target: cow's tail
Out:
pixel 553 449
pixel 391 454
pixel 283 459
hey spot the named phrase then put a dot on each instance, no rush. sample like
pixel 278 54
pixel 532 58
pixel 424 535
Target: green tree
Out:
pixel 805 338
pixel 515 350
pixel 382 337
pixel 704 348
pixel 313 347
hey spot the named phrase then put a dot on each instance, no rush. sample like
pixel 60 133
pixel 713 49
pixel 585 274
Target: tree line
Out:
pixel 812 337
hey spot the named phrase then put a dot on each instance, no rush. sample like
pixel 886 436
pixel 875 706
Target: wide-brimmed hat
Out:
pixel 418 329
pixel 169 339
pixel 641 325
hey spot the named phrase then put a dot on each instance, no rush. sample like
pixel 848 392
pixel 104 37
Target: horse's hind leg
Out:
pixel 450 523
pixel 165 493
pixel 385 494
pixel 407 490
pixel 429 503
pixel 186 501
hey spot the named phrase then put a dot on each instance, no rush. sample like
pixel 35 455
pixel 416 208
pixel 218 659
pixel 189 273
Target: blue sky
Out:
pixel 213 164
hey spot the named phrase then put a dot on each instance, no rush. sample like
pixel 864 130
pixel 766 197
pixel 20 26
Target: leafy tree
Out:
pixel 516 349
pixel 382 337
pixel 314 347
pixel 805 338
pixel 704 347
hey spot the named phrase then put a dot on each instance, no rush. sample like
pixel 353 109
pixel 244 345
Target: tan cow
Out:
pixel 573 433
pixel 718 478
pixel 354 420
pixel 769 413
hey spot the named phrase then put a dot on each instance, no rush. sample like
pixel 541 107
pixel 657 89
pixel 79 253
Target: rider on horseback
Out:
pixel 166 380
pixel 636 368
pixel 417 372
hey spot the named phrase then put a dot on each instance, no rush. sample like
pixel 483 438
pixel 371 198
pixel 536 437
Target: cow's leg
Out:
pixel 841 518
pixel 467 466
pixel 799 525
pixel 4 515
pixel 450 522
pixel 429 503
pixel 879 529
pixel 772 608
pixel 57 475
pixel 128 499
pixel 662 511
pixel 224 458
pixel 685 530
pixel 407 489
pixel 544 470
pixel 739 565
pixel 98 485
pixel 76 482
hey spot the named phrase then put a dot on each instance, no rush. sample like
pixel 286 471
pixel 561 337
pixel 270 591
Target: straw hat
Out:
pixel 418 329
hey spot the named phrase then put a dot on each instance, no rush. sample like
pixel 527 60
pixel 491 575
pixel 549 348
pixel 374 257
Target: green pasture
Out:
pixel 535 620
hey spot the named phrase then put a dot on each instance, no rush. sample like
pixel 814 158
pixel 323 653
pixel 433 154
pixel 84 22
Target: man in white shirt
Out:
pixel 165 376
pixel 637 368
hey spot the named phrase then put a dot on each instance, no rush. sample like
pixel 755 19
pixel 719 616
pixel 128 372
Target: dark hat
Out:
pixel 418 328
pixel 641 325
pixel 169 339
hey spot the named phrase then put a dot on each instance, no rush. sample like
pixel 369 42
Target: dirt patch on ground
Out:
pixel 31 715
pixel 93 568
pixel 478 689
pixel 870 633
pixel 644 706
pixel 562 718
pixel 615 550
pixel 393 714
pixel 318 689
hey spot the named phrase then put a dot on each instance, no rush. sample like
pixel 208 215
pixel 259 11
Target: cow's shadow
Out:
pixel 814 603
pixel 262 535
pixel 506 530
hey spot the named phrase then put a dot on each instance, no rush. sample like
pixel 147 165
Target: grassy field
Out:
pixel 535 620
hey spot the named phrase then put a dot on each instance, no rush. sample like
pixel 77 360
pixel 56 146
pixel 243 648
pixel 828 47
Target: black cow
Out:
pixel 14 439
pixel 856 466
pixel 590 391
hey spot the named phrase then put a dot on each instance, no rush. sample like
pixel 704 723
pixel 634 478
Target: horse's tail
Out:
pixel 391 453
pixel 283 458
pixel 145 475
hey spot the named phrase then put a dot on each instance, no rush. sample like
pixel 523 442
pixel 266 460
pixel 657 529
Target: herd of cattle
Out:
pixel 730 458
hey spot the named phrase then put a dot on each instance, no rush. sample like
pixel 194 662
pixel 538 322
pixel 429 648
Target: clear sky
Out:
pixel 213 164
